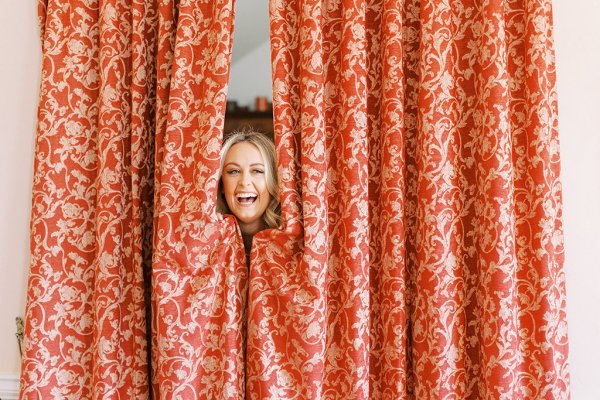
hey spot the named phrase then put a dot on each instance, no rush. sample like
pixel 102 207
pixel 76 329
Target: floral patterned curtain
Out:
pixel 199 272
pixel 418 155
pixel 91 220
pixel 421 250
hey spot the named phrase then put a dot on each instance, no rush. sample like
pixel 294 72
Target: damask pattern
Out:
pixel 92 208
pixel 199 273
pixel 421 251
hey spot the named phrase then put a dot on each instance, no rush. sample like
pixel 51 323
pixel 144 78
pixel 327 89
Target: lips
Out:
pixel 246 198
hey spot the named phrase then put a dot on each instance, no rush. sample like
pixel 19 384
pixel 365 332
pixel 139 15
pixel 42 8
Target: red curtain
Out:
pixel 91 220
pixel 199 272
pixel 421 250
pixel 418 150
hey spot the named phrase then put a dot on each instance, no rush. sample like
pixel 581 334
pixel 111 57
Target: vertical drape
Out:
pixel 129 135
pixel 420 254
pixel 418 149
pixel 199 273
pixel 91 220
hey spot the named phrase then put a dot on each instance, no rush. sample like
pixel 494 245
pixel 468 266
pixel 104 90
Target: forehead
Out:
pixel 243 153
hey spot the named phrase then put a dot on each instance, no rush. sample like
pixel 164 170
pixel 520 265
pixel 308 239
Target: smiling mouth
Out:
pixel 246 198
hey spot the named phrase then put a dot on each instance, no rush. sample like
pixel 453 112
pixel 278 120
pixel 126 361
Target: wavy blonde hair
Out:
pixel 266 147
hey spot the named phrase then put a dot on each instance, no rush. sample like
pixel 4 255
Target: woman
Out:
pixel 248 184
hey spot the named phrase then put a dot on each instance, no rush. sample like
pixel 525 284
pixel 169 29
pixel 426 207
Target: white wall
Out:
pixel 250 76
pixel 577 40
pixel 251 26
pixel 577 37
pixel 19 81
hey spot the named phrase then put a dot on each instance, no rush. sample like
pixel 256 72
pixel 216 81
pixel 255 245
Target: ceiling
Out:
pixel 251 27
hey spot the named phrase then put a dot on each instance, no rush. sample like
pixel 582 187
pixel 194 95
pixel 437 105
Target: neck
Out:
pixel 252 228
pixel 249 230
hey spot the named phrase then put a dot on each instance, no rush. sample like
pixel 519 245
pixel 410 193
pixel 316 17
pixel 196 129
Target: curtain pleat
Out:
pixel 85 317
pixel 403 110
pixel 199 273
pixel 390 33
pixel 420 254
pixel 42 6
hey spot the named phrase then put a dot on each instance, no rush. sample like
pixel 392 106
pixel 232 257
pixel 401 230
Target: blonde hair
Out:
pixel 266 147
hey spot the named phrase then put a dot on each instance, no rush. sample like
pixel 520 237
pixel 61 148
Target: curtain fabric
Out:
pixel 91 220
pixel 421 250
pixel 199 272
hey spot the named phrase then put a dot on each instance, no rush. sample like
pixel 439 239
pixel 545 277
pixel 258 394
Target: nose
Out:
pixel 246 179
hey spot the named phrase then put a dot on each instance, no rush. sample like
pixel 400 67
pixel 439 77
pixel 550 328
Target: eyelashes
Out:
pixel 237 171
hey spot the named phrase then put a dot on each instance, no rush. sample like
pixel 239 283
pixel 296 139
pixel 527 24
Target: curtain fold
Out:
pixel 199 273
pixel 392 51
pixel 420 254
pixel 90 222
pixel 412 173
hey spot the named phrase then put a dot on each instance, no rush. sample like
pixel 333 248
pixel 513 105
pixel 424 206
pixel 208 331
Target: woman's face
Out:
pixel 245 186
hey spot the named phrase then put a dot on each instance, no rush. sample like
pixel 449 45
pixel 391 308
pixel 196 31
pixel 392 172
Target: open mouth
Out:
pixel 246 198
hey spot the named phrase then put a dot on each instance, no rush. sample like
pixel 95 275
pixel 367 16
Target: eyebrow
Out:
pixel 237 165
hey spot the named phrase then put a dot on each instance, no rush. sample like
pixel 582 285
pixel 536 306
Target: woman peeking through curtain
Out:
pixel 419 249
pixel 248 184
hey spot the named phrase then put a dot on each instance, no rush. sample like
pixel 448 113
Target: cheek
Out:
pixel 262 185
pixel 228 187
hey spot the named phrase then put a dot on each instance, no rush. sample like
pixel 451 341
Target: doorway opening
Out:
pixel 249 97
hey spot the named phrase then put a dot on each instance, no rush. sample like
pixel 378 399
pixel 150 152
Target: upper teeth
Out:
pixel 246 195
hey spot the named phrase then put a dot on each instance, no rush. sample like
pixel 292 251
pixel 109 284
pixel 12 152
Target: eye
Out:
pixel 232 171
pixel 258 171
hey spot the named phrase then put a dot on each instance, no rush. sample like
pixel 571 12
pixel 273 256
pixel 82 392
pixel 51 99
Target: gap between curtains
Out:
pixel 421 251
